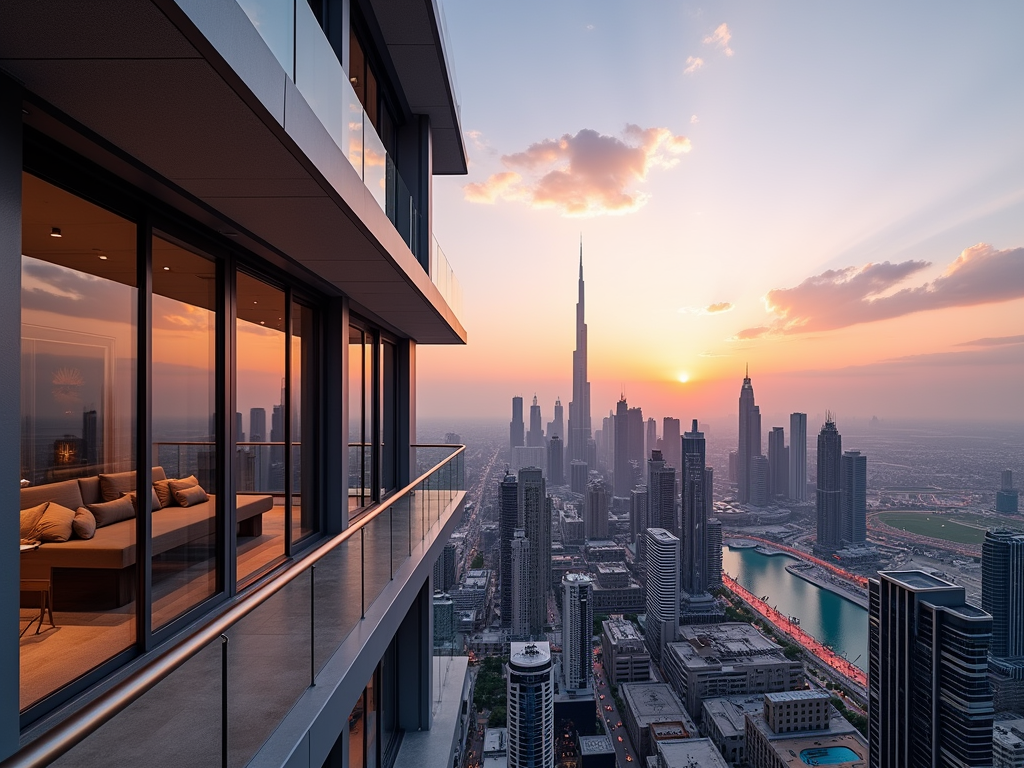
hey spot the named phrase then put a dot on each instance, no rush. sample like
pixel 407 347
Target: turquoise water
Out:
pixel 823 615
pixel 829 756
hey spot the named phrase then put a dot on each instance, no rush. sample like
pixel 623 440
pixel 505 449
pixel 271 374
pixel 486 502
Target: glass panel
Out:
pixel 259 389
pixel 371 721
pixel 184 409
pixel 78 419
pixel 375 167
pixel 359 449
pixel 369 456
pixel 303 406
pixel 275 21
pixel 357 733
pixel 388 416
pixel 320 77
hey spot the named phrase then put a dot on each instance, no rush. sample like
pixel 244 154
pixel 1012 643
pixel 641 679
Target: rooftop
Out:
pixel 654 703
pixel 530 654
pixel 723 644
pixel 806 695
pixel 621 629
pixel 916 580
pixel 660 534
pixel 596 745
pixel 581 578
pixel 728 711
pixel 495 740
pixel 686 753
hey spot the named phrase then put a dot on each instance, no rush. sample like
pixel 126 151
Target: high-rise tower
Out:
pixel 535 519
pixel 750 437
pixel 778 464
pixel 520 557
pixel 516 427
pixel 693 554
pixel 929 701
pixel 623 473
pixel 853 482
pixel 829 493
pixel 577 629
pixel 661 554
pixel 535 437
pixel 531 706
pixel 798 456
pixel 661 494
pixel 556 427
pixel 508 522
pixel 579 406
pixel 1002 590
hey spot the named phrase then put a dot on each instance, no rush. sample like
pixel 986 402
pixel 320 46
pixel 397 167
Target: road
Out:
pixel 625 754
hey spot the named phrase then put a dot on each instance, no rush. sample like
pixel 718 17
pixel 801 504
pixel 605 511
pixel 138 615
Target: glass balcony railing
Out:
pixel 217 695
pixel 294 36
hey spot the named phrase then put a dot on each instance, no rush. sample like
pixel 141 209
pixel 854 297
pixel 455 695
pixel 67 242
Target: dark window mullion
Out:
pixel 287 405
pixel 375 414
pixel 227 439
pixel 144 434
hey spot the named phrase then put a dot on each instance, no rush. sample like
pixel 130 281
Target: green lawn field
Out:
pixel 934 526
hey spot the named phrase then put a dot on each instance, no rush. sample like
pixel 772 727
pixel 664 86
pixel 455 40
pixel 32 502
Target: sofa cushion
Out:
pixel 84 524
pixel 30 520
pixel 109 512
pixel 189 496
pixel 65 493
pixel 165 490
pixel 55 524
pixel 113 486
pixel 154 502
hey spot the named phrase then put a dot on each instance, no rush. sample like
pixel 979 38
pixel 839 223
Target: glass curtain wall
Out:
pixel 79 347
pixel 304 377
pixel 185 445
pixel 360 419
pixel 260 392
pixel 388 417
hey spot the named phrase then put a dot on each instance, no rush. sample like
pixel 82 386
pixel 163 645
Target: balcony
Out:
pixel 297 41
pixel 214 694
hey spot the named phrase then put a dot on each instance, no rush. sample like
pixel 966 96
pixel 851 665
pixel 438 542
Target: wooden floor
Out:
pixel 82 640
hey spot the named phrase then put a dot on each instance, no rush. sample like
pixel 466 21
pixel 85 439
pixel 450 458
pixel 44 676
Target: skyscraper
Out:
pixel 557 425
pixel 579 406
pixel 520 558
pixel 445 569
pixel 535 437
pixel 798 456
pixel 577 629
pixel 650 437
pixel 671 446
pixel 579 474
pixel 596 516
pixel 853 483
pixel 778 464
pixel 516 427
pixel 555 474
pixel 760 480
pixel 661 554
pixel 508 521
pixel 638 522
pixel 1002 590
pixel 531 706
pixel 623 472
pixel 750 438
pixel 714 541
pixel 929 701
pixel 535 519
pixel 635 421
pixel 693 541
pixel 258 425
pixel 1007 497
pixel 829 495
pixel 661 494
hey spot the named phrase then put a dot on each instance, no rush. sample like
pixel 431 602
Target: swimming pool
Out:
pixel 829 756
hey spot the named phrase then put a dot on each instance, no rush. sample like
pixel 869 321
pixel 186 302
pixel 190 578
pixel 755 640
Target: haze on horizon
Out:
pixel 833 194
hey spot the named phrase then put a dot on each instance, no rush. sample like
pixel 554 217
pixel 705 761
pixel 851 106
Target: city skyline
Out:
pixel 843 172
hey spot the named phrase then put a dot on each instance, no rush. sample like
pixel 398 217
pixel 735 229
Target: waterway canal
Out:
pixel 823 615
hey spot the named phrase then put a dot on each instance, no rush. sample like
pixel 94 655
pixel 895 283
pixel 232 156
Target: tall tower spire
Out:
pixel 581 256
pixel 579 407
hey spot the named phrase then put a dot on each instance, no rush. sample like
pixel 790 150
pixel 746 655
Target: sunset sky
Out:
pixel 830 192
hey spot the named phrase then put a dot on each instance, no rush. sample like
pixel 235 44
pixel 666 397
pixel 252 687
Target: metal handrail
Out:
pixel 63 737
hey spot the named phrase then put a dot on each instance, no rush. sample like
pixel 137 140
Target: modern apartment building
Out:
pixel 215 224
pixel 929 701
pixel 626 658
pixel 530 682
pixel 577 631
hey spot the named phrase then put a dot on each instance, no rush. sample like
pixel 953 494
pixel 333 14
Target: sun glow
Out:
pixel 683 377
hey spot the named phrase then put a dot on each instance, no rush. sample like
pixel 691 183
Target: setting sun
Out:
pixel 683 377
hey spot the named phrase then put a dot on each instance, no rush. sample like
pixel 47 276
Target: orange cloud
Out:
pixel 720 38
pixel 586 174
pixel 693 63
pixel 840 298
pixel 710 309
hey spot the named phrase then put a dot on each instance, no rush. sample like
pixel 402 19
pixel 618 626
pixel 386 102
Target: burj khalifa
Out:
pixel 579 444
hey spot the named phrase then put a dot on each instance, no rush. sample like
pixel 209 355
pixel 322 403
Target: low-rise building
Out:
pixel 1008 742
pixel 495 752
pixel 604 551
pixel 821 737
pixel 728 659
pixel 626 659
pixel 627 599
pixel 724 722
pixel 649 704
pixel 611 575
pixel 687 753
pixel 596 751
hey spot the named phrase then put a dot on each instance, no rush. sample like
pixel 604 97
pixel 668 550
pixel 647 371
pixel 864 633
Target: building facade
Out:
pixel 517 427
pixel 579 446
pixel 750 438
pixel 530 681
pixel 626 659
pixel 508 521
pixel 829 492
pixel 693 517
pixel 778 463
pixel 535 520
pixel 577 629
pixel 929 701
pixel 520 594
pixel 219 263
pixel 798 456
pixel 853 484
pixel 661 493
pixel 661 556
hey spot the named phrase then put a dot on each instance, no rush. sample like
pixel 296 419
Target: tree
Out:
pixel 478 562
pixel 498 718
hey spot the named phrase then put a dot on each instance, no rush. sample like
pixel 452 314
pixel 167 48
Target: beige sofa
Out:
pixel 99 573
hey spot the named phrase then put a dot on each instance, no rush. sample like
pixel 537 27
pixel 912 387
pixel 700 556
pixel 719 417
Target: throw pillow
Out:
pixel 84 524
pixel 109 512
pixel 187 497
pixel 155 502
pixel 165 489
pixel 55 524
pixel 163 493
pixel 30 519
pixel 112 486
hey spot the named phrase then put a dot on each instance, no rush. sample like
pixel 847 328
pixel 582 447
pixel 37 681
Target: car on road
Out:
pixel 620 738
pixel 602 697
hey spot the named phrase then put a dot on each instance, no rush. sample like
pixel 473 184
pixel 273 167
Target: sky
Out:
pixel 832 193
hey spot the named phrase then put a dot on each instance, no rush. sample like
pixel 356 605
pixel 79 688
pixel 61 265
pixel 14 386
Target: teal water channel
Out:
pixel 828 618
